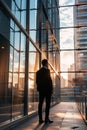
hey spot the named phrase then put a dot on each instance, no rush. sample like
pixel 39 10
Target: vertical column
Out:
pixel 26 60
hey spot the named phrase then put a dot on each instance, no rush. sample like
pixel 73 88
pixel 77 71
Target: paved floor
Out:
pixel 65 116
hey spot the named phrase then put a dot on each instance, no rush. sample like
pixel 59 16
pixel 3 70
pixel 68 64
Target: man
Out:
pixel 45 89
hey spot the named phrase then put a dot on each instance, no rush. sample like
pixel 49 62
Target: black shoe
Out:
pixel 41 121
pixel 48 121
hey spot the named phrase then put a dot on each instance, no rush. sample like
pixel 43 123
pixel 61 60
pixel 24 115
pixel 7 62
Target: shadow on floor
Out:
pixel 41 126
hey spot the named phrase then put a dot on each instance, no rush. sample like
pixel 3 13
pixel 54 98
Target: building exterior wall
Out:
pixel 81 39
pixel 81 55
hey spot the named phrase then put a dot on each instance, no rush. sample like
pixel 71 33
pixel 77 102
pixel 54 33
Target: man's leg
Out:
pixel 48 101
pixel 41 100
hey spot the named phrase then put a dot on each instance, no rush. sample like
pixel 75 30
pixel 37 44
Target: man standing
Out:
pixel 45 89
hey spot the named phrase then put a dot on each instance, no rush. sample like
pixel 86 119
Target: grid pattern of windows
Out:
pixel 25 39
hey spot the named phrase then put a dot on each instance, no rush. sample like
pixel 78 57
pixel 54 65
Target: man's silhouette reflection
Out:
pixel 45 88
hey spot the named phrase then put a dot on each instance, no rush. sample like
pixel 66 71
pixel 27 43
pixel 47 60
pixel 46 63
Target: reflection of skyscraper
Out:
pixel 71 76
pixel 21 84
pixel 81 37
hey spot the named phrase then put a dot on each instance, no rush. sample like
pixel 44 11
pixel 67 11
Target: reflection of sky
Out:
pixel 66 2
pixel 67 58
pixel 33 4
pixel 66 16
pixel 66 41
pixel 66 35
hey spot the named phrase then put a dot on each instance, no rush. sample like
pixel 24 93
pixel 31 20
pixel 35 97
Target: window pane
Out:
pixel 33 4
pixel 16 61
pixel 66 2
pixel 33 19
pixel 23 19
pixel 67 60
pixel 22 62
pixel 66 16
pixel 17 40
pixel 23 42
pixel 11 59
pixel 67 41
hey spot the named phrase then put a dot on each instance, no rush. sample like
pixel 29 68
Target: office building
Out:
pixel 80 15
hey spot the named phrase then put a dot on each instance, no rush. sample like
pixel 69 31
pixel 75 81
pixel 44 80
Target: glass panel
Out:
pixel 23 19
pixel 23 4
pixel 67 41
pixel 33 35
pixel 16 61
pixel 22 62
pixel 17 95
pixel 23 42
pixel 18 3
pixel 12 24
pixel 66 16
pixel 33 19
pixel 33 98
pixel 17 13
pixel 17 40
pixel 32 62
pixel 33 67
pixel 12 36
pixel 31 47
pixel 67 60
pixel 21 84
pixel 11 59
pixel 67 2
pixel 33 4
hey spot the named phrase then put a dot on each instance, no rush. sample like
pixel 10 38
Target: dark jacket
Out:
pixel 44 81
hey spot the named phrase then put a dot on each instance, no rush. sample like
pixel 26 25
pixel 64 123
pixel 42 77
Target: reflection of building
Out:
pixel 21 83
pixel 81 55
pixel 70 75
pixel 81 38
pixel 27 35
pixel 63 82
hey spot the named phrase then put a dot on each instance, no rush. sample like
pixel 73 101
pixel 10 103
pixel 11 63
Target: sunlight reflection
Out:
pixel 61 114
pixel 69 115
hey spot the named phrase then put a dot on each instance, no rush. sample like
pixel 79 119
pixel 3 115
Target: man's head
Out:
pixel 45 62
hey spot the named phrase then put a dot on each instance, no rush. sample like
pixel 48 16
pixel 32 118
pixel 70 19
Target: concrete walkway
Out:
pixel 65 116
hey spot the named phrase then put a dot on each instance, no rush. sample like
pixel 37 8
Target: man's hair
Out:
pixel 44 62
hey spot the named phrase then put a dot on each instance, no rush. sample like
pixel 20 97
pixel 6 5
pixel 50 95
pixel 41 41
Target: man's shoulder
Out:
pixel 38 71
pixel 42 70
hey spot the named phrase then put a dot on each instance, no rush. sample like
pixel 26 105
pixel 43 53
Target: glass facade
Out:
pixel 28 33
pixel 73 52
pixel 81 55
pixel 31 30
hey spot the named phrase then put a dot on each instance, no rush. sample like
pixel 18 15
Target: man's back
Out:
pixel 43 80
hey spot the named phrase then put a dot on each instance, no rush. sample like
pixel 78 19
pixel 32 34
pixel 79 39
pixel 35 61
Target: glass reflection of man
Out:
pixel 45 88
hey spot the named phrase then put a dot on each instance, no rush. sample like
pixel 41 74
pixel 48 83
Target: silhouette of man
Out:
pixel 45 89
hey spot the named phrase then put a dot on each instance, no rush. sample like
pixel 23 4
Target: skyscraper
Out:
pixel 80 15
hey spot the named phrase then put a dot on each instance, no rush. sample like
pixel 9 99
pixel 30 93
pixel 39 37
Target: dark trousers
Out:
pixel 47 98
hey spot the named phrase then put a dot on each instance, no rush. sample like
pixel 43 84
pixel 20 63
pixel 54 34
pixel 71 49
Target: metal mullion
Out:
pixel 81 71
pixel 78 49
